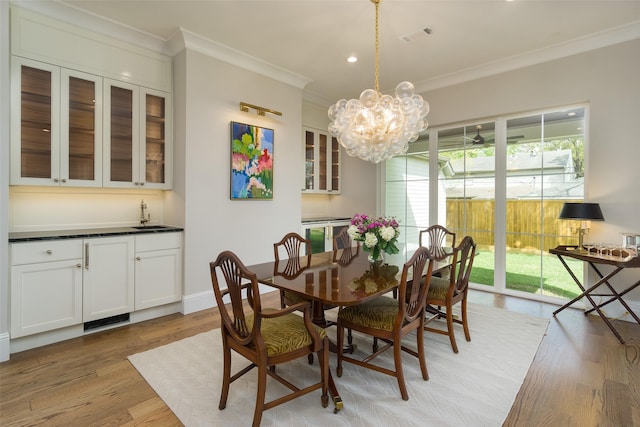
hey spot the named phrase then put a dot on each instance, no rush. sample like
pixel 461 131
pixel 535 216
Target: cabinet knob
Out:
pixel 49 251
pixel 79 265
pixel 64 180
pixel 138 258
pixel 55 180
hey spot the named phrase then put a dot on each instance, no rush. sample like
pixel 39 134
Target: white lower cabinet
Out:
pixel 46 286
pixel 108 277
pixel 61 283
pixel 158 269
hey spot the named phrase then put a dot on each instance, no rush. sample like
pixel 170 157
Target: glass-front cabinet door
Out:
pixel 321 162
pixel 56 137
pixel 157 145
pixel 137 129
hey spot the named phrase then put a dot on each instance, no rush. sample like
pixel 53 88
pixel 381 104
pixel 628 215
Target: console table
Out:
pixel 619 264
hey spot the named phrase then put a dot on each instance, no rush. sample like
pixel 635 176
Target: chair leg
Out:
pixel 465 325
pixel 260 394
pixel 339 350
pixel 397 359
pixel 421 355
pixel 310 358
pixel 452 336
pixel 323 357
pixel 226 377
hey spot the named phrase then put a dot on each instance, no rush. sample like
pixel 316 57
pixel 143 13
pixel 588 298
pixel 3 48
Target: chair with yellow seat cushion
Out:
pixel 445 292
pixel 266 337
pixel 386 319
pixel 343 245
pixel 438 239
pixel 298 252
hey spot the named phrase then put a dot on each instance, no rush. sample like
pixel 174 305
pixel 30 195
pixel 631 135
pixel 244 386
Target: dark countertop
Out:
pixel 325 219
pixel 25 236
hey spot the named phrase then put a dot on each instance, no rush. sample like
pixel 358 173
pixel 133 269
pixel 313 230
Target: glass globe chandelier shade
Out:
pixel 376 127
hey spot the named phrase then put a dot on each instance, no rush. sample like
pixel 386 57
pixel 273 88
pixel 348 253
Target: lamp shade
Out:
pixel 583 211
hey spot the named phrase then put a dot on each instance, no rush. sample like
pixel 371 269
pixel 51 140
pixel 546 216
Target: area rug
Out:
pixel 475 387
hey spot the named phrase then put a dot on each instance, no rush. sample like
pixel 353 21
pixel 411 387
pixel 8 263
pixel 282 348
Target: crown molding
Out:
pixel 89 21
pixel 240 59
pixel 594 41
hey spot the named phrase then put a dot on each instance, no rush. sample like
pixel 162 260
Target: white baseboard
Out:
pixel 204 300
pixel 4 347
pixel 197 302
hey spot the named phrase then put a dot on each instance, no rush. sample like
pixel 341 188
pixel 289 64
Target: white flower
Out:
pixel 387 233
pixel 370 240
pixel 352 231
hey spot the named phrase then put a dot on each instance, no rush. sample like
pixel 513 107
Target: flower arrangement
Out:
pixel 377 234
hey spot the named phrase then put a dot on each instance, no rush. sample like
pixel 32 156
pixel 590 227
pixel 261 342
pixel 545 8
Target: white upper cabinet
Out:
pixel 321 153
pixel 137 136
pixel 56 135
pixel 87 110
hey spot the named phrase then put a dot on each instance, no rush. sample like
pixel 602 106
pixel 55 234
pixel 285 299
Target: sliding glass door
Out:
pixel 502 182
pixel 545 168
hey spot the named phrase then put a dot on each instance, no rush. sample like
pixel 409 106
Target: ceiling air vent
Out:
pixel 408 38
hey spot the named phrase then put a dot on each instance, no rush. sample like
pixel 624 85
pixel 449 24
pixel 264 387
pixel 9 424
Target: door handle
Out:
pixel 86 256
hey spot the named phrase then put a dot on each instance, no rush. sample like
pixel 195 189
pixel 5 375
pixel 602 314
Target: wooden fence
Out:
pixel 530 224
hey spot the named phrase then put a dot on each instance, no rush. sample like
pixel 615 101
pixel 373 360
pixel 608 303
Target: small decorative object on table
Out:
pixel 378 235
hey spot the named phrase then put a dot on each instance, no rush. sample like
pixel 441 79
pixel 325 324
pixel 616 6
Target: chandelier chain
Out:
pixel 376 85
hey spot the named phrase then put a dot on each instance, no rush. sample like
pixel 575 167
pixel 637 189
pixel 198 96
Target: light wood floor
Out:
pixel 581 375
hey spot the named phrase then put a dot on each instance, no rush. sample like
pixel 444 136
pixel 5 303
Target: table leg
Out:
pixel 586 293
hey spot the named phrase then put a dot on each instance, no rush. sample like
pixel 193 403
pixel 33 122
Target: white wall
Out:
pixel 213 222
pixel 607 79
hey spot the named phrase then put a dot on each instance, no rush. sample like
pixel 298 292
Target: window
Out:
pixel 503 182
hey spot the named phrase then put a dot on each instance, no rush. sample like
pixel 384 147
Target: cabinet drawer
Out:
pixel 158 241
pixel 45 251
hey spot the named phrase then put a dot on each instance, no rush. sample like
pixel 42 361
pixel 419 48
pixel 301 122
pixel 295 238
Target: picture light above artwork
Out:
pixel 260 110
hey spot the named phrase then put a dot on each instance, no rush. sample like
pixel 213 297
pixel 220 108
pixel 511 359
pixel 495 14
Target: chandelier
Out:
pixel 376 127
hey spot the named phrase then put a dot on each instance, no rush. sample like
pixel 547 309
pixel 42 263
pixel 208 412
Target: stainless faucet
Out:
pixel 143 219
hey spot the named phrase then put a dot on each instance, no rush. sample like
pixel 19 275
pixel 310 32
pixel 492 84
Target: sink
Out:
pixel 150 227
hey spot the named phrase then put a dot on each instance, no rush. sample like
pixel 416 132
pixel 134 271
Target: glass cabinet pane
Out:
pixel 309 161
pixel 335 164
pixel 35 126
pixel 121 116
pixel 82 112
pixel 155 139
pixel 322 163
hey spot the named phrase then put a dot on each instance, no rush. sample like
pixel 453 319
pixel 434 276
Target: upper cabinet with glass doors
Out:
pixel 321 162
pixel 137 135
pixel 56 135
pixel 81 122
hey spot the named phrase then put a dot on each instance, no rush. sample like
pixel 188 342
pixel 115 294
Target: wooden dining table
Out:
pixel 333 279
pixel 330 281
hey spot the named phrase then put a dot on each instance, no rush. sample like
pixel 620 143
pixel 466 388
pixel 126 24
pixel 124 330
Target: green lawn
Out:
pixel 524 273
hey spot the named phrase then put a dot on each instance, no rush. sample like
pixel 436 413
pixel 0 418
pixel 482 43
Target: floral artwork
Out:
pixel 377 234
pixel 251 162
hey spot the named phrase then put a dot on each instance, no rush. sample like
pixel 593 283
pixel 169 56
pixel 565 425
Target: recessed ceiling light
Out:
pixel 352 59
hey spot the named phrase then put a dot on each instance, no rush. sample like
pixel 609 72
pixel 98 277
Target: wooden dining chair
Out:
pixel 389 320
pixel 343 245
pixel 294 246
pixel 445 292
pixel 437 238
pixel 265 337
